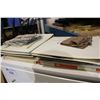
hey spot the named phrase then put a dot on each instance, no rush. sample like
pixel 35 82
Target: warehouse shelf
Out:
pixel 57 31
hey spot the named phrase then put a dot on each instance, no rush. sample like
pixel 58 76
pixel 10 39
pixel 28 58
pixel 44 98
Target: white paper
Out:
pixel 28 48
pixel 53 48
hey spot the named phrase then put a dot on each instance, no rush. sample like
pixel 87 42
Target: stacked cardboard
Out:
pixel 59 56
